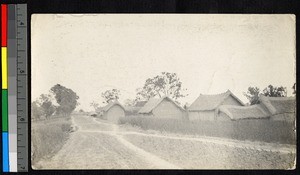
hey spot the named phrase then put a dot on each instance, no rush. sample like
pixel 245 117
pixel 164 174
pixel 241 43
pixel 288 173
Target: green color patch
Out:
pixel 4 110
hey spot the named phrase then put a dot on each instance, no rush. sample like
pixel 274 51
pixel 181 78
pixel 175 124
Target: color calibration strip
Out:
pixel 14 87
pixel 5 139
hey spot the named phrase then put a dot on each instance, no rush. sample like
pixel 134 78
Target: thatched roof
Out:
pixel 132 109
pixel 244 112
pixel 140 103
pixel 211 102
pixel 109 105
pixel 279 105
pixel 153 103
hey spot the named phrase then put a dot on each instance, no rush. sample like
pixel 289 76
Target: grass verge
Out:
pixel 48 137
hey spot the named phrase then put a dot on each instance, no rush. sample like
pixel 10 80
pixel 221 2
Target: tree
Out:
pixel 110 95
pixel 66 98
pixel 270 91
pixel 294 88
pixel 36 111
pixel 46 105
pixel 129 102
pixel 273 91
pixel 95 105
pixel 166 84
pixel 81 111
pixel 253 95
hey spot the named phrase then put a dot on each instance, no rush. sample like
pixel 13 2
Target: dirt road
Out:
pixel 97 144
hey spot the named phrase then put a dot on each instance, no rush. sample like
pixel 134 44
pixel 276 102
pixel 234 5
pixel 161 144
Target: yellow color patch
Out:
pixel 4 67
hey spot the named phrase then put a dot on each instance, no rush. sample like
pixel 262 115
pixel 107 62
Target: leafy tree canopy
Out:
pixel 95 105
pixel 129 102
pixel 253 95
pixel 294 88
pixel 66 98
pixel 36 110
pixel 110 95
pixel 271 91
pixel 165 84
pixel 46 105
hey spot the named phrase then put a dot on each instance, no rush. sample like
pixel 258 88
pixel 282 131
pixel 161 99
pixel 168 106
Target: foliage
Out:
pixel 294 88
pixel 43 106
pixel 254 130
pixel 110 95
pixel 270 91
pixel 129 102
pixel 81 110
pixel 46 105
pixel 95 105
pixel 166 84
pixel 36 110
pixel 273 91
pixel 253 95
pixel 66 98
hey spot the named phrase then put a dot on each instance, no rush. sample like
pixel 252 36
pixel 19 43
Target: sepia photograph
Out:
pixel 163 91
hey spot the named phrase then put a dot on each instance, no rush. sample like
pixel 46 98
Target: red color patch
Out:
pixel 3 25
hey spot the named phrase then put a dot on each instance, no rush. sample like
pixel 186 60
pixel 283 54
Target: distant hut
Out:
pixel 205 107
pixel 231 112
pixel 163 107
pixel 133 110
pixel 281 108
pixel 112 111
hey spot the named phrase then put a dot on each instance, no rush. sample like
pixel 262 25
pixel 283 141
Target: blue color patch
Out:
pixel 5 151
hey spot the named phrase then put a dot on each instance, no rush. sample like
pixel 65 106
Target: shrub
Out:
pixel 253 130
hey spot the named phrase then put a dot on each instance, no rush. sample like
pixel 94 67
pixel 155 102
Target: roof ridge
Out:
pixel 232 110
pixel 271 103
pixel 212 101
pixel 111 104
pixel 223 93
pixel 152 103
pixel 276 98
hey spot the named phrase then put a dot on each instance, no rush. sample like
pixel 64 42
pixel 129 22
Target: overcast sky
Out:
pixel 210 53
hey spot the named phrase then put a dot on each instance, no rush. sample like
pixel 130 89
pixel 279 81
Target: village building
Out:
pixel 280 108
pixel 113 111
pixel 163 107
pixel 133 110
pixel 205 107
pixel 232 112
